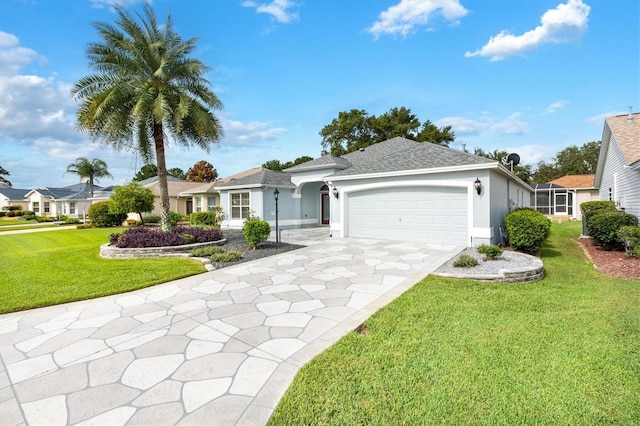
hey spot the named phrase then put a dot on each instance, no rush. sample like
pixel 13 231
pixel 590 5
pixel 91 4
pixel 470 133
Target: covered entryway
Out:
pixel 431 214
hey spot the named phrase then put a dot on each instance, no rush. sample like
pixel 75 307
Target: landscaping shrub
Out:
pixel 203 218
pixel 99 215
pixel 71 220
pixel 630 237
pixel 152 237
pixel 44 219
pixel 11 213
pixel 225 257
pixel 152 219
pixel 603 228
pixel 256 231
pixel 491 251
pixel 206 251
pixel 465 261
pixel 174 218
pixel 29 217
pixel 11 208
pixel 527 229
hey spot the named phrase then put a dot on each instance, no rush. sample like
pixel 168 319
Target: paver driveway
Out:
pixel 218 348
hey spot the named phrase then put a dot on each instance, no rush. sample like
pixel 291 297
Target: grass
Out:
pixel 564 350
pixel 48 268
pixel 12 225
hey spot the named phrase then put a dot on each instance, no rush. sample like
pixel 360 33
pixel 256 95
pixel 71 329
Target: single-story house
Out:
pixel 561 198
pixel 398 189
pixel 10 197
pixel 618 170
pixel 179 201
pixel 73 201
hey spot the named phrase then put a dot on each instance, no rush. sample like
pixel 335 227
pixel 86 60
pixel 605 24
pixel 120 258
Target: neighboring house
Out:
pixel 13 197
pixel 179 203
pixel 73 201
pixel 205 195
pixel 562 197
pixel 397 189
pixel 618 170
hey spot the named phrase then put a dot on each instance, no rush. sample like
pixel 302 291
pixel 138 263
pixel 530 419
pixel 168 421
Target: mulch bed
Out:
pixel 611 263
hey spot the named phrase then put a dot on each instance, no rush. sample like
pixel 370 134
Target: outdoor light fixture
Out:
pixel 275 197
pixel 335 192
pixel 478 185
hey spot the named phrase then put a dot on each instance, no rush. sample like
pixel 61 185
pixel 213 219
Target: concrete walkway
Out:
pixel 218 348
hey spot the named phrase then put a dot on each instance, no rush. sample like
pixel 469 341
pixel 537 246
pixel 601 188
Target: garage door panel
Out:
pixel 433 214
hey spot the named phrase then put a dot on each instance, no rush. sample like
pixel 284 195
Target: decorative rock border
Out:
pixel 112 252
pixel 523 274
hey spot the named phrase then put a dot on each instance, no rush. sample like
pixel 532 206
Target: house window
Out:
pixel 211 203
pixel 198 204
pixel 240 205
pixel 72 208
pixel 36 207
pixel 47 208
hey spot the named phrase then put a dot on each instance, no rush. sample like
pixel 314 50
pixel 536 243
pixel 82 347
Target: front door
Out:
pixel 326 215
pixel 189 206
pixel 561 203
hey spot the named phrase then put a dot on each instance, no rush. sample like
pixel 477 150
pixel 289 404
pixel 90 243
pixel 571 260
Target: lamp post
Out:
pixel 275 196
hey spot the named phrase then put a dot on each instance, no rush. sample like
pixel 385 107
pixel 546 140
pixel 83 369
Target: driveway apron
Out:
pixel 217 348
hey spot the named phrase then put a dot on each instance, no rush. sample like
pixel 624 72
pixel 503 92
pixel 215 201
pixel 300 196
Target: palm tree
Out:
pixel 92 170
pixel 144 85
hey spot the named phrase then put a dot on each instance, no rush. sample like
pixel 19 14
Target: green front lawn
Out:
pixel 564 350
pixel 47 268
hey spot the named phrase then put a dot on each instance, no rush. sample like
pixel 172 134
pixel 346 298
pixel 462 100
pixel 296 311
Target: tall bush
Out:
pixel 527 229
pixel 212 217
pixel 590 208
pixel 256 231
pixel 603 227
pixel 99 215
pixel 630 237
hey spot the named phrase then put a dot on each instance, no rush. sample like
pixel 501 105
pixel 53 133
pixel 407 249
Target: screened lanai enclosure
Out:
pixel 553 200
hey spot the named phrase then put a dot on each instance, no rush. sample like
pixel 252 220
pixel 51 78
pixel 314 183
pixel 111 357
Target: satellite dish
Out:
pixel 513 159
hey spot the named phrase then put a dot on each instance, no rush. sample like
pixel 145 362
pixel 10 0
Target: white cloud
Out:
pixel 555 106
pixel 278 9
pixel 14 57
pixel 408 14
pixel 532 154
pixel 510 126
pixel 566 23
pixel 250 133
pixel 462 126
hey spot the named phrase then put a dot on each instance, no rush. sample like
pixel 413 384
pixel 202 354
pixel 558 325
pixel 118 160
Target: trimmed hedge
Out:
pixel 603 227
pixel 141 236
pixel 212 217
pixel 527 229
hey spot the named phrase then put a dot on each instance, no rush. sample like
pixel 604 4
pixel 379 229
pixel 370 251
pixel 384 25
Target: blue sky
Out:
pixel 530 77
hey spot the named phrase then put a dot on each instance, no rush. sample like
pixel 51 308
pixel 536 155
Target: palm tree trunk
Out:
pixel 162 177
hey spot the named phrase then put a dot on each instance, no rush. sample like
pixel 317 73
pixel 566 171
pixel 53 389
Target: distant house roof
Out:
pixel 547 186
pixel 14 193
pixel 399 154
pixel 627 134
pixel 175 186
pixel 575 181
pixel 261 177
pixel 61 193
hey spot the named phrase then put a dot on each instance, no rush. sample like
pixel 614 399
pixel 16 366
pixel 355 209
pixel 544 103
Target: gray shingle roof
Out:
pixel 321 162
pixel 14 193
pixel 263 177
pixel 399 154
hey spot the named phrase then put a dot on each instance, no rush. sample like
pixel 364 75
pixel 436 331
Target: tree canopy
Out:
pixel 202 171
pixel 92 170
pixel 145 85
pixel 3 173
pixel 572 160
pixel 356 129
pixel 278 166
pixel 147 171
pixel 131 198
pixel 177 173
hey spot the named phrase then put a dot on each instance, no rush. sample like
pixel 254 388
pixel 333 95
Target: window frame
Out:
pixel 241 210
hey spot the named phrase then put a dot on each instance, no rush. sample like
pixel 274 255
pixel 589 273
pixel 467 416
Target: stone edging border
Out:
pixel 111 252
pixel 524 274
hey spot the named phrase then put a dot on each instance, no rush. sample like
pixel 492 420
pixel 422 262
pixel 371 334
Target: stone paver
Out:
pixel 218 348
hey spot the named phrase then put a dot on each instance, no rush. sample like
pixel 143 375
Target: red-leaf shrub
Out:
pixel 148 237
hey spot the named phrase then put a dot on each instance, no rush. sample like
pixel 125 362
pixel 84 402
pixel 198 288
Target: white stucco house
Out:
pixel 618 171
pixel 398 189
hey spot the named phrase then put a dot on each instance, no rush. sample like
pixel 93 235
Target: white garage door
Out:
pixel 430 214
